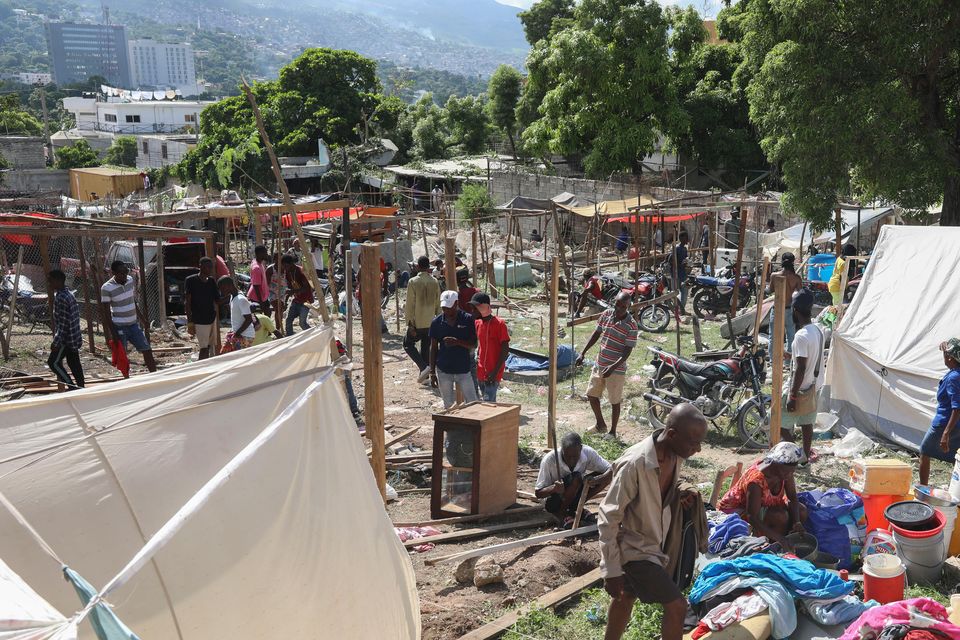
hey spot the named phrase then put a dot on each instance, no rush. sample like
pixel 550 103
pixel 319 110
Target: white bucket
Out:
pixel 883 565
pixel 950 513
pixel 955 479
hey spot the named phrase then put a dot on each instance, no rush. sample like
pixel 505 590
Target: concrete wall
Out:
pixel 37 180
pixel 23 152
pixel 506 185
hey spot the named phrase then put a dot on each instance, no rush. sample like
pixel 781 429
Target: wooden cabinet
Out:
pixel 475 459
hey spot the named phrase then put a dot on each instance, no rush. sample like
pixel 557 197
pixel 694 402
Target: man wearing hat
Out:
pixel 453 335
pixel 943 438
pixel 493 346
pixel 806 376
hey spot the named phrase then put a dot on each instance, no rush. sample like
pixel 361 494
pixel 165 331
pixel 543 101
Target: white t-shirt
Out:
pixel 240 307
pixel 317 258
pixel 808 343
pixel 589 462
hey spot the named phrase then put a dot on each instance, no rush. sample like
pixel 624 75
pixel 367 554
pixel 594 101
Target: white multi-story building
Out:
pixel 158 65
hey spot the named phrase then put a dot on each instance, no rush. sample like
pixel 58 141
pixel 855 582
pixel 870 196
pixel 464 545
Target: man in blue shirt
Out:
pixel 678 269
pixel 67 338
pixel 453 336
pixel 943 438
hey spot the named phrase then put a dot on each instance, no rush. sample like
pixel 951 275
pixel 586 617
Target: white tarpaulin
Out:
pixel 799 236
pixel 885 363
pixel 291 542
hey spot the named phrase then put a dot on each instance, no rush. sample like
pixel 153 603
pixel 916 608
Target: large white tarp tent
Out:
pixel 885 364
pixel 799 237
pixel 292 540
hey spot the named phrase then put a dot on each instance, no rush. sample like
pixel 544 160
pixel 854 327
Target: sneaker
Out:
pixel 424 375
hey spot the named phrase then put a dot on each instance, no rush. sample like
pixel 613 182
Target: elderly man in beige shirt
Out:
pixel 635 517
pixel 422 306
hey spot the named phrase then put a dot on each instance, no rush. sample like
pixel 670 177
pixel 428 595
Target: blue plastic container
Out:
pixel 820 267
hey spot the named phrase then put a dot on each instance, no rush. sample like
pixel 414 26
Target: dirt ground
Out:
pixel 450 609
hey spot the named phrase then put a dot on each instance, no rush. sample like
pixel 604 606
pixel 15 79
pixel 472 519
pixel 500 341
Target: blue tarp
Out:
pixel 565 357
pixel 105 623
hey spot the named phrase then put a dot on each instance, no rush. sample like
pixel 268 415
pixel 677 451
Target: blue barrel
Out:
pixel 820 267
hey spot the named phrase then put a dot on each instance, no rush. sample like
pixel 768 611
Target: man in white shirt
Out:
pixel 806 376
pixel 562 482
pixel 242 323
pixel 118 297
pixel 317 252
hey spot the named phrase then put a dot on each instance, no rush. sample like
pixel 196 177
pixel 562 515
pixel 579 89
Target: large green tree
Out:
pixel 538 20
pixel 14 120
pixel 503 95
pixel 856 97
pixel 123 152
pixel 78 155
pixel 467 124
pixel 608 91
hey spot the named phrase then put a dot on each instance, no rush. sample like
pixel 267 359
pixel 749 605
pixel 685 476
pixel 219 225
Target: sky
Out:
pixel 709 8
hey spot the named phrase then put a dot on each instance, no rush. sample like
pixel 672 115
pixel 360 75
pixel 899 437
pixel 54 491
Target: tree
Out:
pixel 503 95
pixel 860 97
pixel 76 156
pixel 475 202
pixel 607 87
pixel 123 152
pixel 467 123
pixel 539 18
pixel 14 120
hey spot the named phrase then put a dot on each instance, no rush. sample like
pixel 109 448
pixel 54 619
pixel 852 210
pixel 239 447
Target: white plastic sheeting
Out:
pixel 292 543
pixel 885 363
pixel 24 615
pixel 799 236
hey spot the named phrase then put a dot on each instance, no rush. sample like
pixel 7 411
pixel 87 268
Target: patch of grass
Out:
pixel 608 449
pixel 936 592
pixel 526 452
pixel 586 621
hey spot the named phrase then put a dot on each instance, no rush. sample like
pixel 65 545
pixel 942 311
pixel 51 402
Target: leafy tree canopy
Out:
pixel 503 95
pixel 538 20
pixel 475 202
pixel 14 120
pixel 123 152
pixel 77 156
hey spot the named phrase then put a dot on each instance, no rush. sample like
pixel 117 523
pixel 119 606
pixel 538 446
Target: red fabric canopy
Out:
pixel 24 240
pixel 654 217
pixel 306 217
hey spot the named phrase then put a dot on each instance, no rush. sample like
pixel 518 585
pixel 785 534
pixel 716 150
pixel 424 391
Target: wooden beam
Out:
pixel 552 372
pixel 476 517
pixel 397 438
pixel 373 360
pixel 464 534
pixel 550 599
pixel 738 270
pixel 776 353
pixel 450 262
pixel 96 232
pixel 633 308
pixel 516 544
pixel 275 209
pixel 760 293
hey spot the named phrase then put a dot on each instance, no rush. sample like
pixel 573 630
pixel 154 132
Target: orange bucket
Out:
pixel 874 506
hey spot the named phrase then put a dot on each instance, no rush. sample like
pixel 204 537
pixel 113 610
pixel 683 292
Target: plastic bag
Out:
pixel 837 519
pixel 853 445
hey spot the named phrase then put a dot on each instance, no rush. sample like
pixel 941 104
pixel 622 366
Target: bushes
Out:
pixel 475 203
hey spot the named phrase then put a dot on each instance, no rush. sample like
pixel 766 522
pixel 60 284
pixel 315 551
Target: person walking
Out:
pixel 806 376
pixel 118 305
pixel 202 297
pixel 259 291
pixel 617 331
pixel 242 324
pixel 67 338
pixel 422 306
pixel 678 269
pixel 299 288
pixel 633 528
pixel 794 287
pixel 731 230
pixel 453 335
pixel 943 438
pixel 837 278
pixel 493 346
pixel 704 245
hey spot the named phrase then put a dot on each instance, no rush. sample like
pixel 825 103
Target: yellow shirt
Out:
pixel 834 285
pixel 265 332
pixel 423 300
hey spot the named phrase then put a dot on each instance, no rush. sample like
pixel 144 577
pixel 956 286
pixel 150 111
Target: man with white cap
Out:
pixel 453 336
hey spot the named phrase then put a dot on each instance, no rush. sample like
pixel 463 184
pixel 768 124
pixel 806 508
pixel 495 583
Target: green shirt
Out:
pixel 265 331
pixel 423 300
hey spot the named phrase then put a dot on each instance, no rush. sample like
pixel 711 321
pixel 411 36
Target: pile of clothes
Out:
pixel 728 591
pixel 914 619
pixel 414 533
pixel 730 537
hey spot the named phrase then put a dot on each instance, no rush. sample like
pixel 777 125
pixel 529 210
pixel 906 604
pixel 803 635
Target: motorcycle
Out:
pixel 729 387
pixel 653 318
pixel 712 295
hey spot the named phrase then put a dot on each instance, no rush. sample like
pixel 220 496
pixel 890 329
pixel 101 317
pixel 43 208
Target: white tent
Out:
pixel 228 498
pixel 799 236
pixel 885 364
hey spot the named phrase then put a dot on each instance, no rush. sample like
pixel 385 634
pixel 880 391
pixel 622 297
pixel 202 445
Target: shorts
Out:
pixel 930 446
pixel 613 384
pixel 134 334
pixel 206 334
pixel 648 582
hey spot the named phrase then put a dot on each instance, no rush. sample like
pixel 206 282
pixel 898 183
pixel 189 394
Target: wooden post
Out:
pixel 776 352
pixel 712 242
pixel 838 223
pixel 45 260
pixel 423 234
pixel 86 294
pixel 763 286
pixel 473 250
pixel 506 253
pixel 552 379
pixel 697 338
pixel 738 269
pixel 675 277
pixel 13 298
pixel 97 270
pixel 803 248
pixel 161 284
pixel 373 360
pixel 450 262
pixel 211 251
pixel 636 244
pixel 288 203
pixel 257 229
pixel 143 286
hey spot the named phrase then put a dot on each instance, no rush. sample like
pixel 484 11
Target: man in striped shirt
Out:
pixel 617 332
pixel 118 307
pixel 67 339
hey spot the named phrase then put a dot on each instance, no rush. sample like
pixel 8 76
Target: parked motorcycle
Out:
pixel 653 318
pixel 731 387
pixel 713 295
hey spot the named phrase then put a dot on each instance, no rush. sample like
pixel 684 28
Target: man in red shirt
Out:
pixel 298 286
pixel 465 291
pixel 493 346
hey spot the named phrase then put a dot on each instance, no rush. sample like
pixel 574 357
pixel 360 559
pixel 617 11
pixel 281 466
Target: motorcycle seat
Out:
pixel 707 370
pixel 710 281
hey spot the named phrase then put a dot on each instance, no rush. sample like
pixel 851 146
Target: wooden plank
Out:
pixel 373 360
pixel 397 438
pixel 633 308
pixel 515 544
pixel 450 262
pixel 738 269
pixel 760 292
pixel 476 517
pixel 552 372
pixel 776 352
pixel 477 532
pixel 548 600
pixel 274 209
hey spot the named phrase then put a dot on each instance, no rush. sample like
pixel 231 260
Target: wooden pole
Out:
pixel 473 250
pixel 776 352
pixel 697 338
pixel 289 206
pixel 13 298
pixel 552 384
pixel 712 242
pixel 45 260
pixel 676 283
pixel 348 286
pixel 803 247
pixel 763 286
pixel 143 286
pixel 161 285
pixel 257 228
pixel 211 251
pixel 88 304
pixel 838 224
pixel 506 253
pixel 423 234
pixel 373 360
pixel 450 262
pixel 738 269
pixel 97 269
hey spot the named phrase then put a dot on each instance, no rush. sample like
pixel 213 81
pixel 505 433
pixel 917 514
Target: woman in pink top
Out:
pixel 259 285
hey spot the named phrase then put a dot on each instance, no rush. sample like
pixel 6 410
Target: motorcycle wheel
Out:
pixel 665 381
pixel 704 303
pixel 655 318
pixel 753 429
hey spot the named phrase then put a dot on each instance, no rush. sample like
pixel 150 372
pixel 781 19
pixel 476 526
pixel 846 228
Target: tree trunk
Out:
pixel 950 214
pixel 513 145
